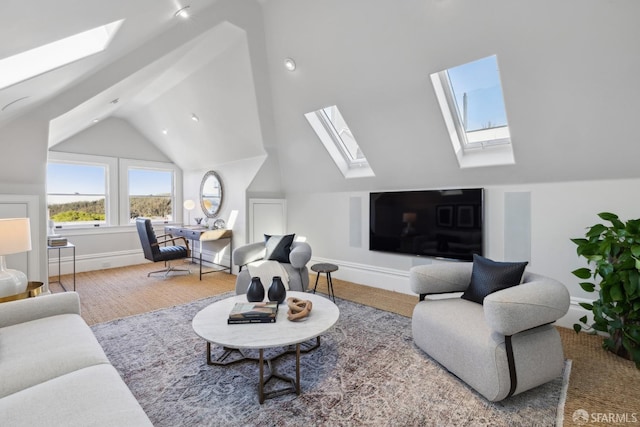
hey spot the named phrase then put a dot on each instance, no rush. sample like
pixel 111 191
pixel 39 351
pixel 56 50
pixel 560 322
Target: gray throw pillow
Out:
pixel 489 276
pixel 278 247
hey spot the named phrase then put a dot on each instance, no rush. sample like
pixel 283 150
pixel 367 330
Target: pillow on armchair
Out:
pixel 278 248
pixel 489 276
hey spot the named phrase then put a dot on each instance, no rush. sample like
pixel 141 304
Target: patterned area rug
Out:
pixel 367 371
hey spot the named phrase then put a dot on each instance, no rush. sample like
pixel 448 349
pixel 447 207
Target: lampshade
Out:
pixel 409 217
pixel 189 204
pixel 15 237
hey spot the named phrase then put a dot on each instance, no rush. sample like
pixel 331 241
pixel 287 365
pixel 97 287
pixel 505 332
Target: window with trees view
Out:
pixel 87 190
pixel 76 193
pixel 150 194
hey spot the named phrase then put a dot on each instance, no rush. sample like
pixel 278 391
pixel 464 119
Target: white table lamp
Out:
pixel 15 237
pixel 189 205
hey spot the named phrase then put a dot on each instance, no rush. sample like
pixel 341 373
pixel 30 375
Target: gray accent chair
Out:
pixel 296 268
pixel 500 348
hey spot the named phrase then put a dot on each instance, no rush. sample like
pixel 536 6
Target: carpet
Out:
pixel 367 371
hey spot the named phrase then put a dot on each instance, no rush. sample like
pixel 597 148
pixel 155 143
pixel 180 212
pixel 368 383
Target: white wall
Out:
pixel 113 137
pixel 236 177
pixel 559 212
pixel 570 115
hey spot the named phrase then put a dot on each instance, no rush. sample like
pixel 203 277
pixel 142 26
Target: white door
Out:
pixel 266 216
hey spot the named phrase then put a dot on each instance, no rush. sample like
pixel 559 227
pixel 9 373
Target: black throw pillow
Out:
pixel 278 247
pixel 489 276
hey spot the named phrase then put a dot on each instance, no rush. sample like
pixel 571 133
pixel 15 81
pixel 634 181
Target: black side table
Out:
pixel 327 269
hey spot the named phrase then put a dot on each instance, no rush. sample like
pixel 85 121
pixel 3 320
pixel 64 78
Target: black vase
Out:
pixel 255 292
pixel 277 292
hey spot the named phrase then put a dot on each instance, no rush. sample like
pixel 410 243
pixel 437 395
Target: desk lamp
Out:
pixel 189 205
pixel 15 237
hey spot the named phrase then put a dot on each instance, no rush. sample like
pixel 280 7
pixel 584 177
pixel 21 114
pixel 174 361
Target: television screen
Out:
pixel 434 223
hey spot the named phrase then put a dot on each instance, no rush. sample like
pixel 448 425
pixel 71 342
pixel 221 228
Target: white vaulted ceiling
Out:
pixel 158 71
pixel 569 73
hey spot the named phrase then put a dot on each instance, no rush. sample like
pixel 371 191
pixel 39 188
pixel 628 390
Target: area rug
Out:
pixel 367 371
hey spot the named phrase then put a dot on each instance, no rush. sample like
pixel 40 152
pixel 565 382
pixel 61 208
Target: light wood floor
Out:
pixel 600 382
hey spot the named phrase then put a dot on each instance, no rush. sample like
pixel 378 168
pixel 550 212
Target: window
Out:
pixel 150 194
pixel 31 63
pixel 334 133
pixel 472 104
pixel 97 191
pixel 77 193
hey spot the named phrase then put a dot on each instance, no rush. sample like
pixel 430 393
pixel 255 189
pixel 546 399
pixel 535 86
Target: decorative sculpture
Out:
pixel 298 308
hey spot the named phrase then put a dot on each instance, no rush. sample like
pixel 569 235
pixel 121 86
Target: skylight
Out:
pixel 39 60
pixel 472 104
pixel 337 138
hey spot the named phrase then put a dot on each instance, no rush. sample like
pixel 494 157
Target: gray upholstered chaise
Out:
pixel 471 340
pixel 296 268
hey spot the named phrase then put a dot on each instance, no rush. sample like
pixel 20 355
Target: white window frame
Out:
pixel 126 164
pixel 117 183
pixel 111 182
pixel 42 59
pixel 335 146
pixel 492 148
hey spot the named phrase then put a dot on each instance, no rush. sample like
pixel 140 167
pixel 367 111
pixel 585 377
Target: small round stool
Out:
pixel 327 269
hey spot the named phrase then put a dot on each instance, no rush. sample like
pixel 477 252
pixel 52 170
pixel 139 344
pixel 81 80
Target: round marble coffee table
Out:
pixel 211 325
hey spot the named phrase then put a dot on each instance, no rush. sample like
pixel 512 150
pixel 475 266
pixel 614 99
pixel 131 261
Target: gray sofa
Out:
pixel 296 268
pixel 54 372
pixel 500 348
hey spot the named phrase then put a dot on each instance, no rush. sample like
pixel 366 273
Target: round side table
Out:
pixel 327 269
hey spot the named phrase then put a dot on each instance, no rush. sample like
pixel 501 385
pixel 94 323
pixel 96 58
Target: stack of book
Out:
pixel 253 312
pixel 57 241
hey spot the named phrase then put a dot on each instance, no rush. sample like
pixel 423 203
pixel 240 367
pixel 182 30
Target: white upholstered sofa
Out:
pixel 501 347
pixel 53 371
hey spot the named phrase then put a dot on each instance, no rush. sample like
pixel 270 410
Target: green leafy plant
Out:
pixel 613 254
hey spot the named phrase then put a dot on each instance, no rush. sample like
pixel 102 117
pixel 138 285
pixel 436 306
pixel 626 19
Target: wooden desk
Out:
pixel 203 234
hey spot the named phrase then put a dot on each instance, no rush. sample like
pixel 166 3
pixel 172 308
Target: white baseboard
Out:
pixel 111 260
pixel 378 277
pixel 383 278
pixel 398 281
pixel 575 313
pixel 94 261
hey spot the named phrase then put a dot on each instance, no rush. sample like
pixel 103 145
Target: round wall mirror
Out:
pixel 211 194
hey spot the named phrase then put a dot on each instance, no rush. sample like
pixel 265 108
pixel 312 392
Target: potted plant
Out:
pixel 613 255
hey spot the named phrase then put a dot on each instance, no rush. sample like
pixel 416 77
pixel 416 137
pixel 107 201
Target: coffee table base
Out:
pixel 294 384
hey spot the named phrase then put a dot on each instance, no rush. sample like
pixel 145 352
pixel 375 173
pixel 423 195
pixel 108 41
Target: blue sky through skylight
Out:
pixel 480 80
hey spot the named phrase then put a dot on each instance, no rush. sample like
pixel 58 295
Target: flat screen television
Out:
pixel 433 223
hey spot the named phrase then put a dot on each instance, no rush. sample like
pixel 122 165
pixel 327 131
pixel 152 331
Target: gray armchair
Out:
pixel 296 268
pixel 502 347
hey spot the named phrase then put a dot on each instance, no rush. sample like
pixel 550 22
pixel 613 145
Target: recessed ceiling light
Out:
pixel 183 13
pixel 194 117
pixel 289 64
pixel 96 120
pixel 165 131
